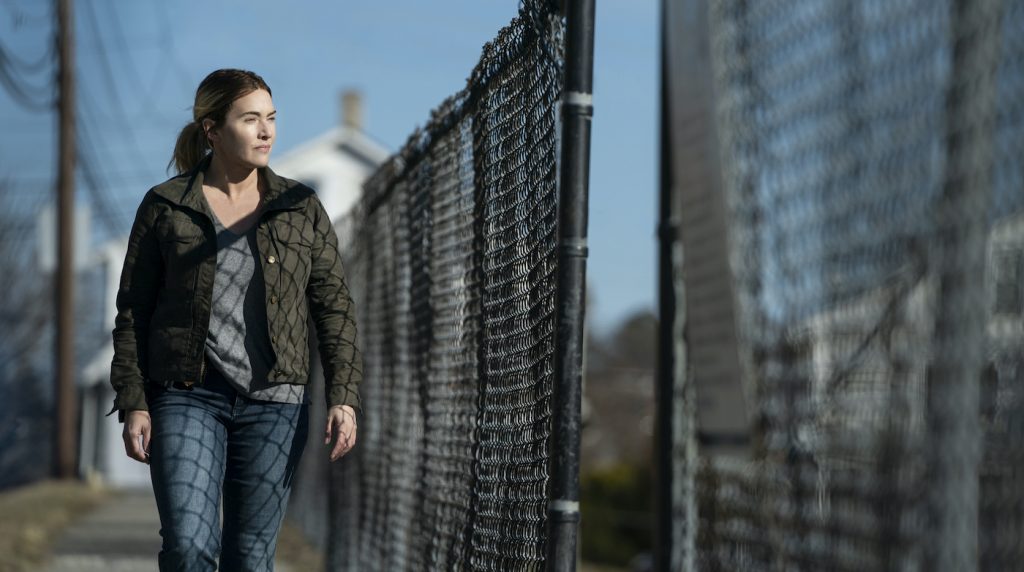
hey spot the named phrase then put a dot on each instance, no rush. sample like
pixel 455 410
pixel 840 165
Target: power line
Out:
pixel 112 84
pixel 44 63
pixel 122 44
pixel 14 69
pixel 100 174
pixel 20 18
pixel 26 95
pixel 114 218
pixel 167 41
pixel 99 188
pixel 104 58
pixel 34 182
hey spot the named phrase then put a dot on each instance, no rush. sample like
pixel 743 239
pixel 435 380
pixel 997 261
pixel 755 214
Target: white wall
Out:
pixel 336 177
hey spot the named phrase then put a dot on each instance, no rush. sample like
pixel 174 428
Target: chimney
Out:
pixel 352 109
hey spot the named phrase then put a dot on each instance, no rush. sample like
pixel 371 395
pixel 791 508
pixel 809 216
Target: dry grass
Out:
pixel 33 515
pixel 294 550
pixel 588 567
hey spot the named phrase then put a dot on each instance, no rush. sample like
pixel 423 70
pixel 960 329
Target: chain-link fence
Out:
pixel 450 258
pixel 849 190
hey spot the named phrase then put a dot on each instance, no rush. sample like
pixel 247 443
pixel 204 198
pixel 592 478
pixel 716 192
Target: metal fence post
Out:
pixel 667 306
pixel 577 109
pixel 960 338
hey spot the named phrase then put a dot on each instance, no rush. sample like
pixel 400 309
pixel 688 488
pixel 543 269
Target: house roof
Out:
pixel 344 140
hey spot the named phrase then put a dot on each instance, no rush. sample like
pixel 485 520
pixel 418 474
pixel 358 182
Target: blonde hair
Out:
pixel 214 97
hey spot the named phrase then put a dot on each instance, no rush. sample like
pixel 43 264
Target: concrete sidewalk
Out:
pixel 120 535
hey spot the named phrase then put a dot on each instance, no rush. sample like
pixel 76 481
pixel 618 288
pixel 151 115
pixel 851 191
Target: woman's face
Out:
pixel 247 134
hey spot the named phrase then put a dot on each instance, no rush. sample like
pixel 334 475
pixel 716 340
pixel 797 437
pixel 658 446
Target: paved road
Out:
pixel 121 535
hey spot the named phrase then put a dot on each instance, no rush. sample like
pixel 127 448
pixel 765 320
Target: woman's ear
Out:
pixel 210 131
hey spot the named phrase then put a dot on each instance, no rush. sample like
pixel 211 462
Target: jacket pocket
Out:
pixel 181 244
pixel 176 227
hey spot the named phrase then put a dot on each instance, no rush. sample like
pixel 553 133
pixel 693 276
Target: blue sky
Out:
pixel 139 63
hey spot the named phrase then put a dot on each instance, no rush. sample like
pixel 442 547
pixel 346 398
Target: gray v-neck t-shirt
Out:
pixel 238 341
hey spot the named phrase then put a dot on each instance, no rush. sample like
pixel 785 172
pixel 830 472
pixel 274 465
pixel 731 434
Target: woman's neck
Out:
pixel 234 180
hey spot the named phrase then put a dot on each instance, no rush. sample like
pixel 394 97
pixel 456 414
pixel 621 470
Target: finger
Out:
pixel 340 444
pixel 126 436
pixel 346 440
pixel 146 434
pixel 134 446
pixel 137 453
pixel 143 452
pixel 327 431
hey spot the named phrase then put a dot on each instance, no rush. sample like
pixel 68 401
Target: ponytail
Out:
pixel 190 148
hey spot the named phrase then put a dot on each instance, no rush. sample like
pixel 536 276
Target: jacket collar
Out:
pixel 186 189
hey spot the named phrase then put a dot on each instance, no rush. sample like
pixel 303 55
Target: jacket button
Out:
pixel 280 372
pixel 271 259
pixel 273 299
pixel 273 339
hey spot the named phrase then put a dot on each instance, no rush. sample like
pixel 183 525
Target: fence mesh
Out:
pixel 869 165
pixel 450 258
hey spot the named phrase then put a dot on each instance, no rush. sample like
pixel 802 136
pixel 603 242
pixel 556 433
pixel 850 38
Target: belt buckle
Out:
pixel 186 385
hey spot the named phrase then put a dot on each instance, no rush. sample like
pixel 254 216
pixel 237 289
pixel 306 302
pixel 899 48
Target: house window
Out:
pixel 1009 271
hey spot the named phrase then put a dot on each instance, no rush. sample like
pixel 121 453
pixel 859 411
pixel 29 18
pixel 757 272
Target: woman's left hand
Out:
pixel 341 428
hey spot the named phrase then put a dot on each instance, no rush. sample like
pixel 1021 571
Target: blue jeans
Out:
pixel 210 439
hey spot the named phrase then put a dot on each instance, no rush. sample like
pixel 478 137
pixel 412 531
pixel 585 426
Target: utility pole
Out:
pixel 65 423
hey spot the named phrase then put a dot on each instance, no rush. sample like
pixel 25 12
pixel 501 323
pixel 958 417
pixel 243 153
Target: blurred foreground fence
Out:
pixel 844 382
pixel 451 261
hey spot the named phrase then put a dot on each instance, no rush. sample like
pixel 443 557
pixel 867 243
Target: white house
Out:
pixel 101 450
pixel 335 164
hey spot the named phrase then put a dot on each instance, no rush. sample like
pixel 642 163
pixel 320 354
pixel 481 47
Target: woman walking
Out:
pixel 226 263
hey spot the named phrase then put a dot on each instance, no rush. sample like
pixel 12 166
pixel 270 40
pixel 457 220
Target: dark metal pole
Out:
pixel 577 109
pixel 665 379
pixel 954 429
pixel 66 419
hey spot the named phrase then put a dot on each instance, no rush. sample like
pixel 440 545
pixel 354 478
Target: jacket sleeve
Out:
pixel 333 315
pixel 141 280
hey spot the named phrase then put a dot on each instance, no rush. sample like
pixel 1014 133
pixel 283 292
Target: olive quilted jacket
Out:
pixel 164 297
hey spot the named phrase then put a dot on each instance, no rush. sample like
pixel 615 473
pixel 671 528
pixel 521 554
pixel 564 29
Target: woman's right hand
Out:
pixel 136 435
